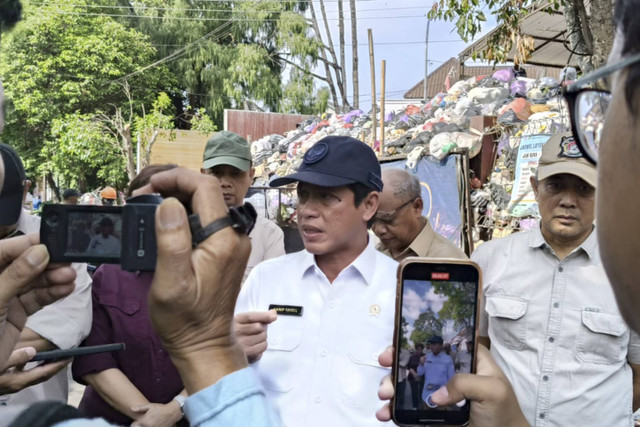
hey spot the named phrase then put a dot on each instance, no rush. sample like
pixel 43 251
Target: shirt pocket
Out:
pixel 508 320
pixel 359 373
pixel 126 315
pixel 602 339
pixel 278 363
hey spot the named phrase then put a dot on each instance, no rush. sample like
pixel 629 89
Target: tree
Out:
pixel 425 326
pixel 590 35
pixel 459 304
pixel 62 65
pixel 226 53
pixel 296 95
pixel 335 75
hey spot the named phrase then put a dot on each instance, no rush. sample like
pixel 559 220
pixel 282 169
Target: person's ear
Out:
pixel 534 185
pixel 418 205
pixel 370 205
pixel 203 171
pixel 252 173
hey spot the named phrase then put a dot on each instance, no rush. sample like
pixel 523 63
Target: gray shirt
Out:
pixel 556 331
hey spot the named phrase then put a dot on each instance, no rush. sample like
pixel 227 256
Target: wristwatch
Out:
pixel 180 399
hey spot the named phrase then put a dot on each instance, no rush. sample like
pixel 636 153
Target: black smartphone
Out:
pixel 77 351
pixel 435 337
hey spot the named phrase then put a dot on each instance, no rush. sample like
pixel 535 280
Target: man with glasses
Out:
pixel 399 224
pixel 318 359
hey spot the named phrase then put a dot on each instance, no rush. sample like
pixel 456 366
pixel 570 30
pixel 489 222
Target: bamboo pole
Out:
pixel 382 78
pixel 373 89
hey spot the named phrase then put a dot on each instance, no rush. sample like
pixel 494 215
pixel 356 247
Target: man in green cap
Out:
pixel 227 156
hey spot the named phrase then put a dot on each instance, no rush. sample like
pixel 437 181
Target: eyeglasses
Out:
pixel 388 217
pixel 588 107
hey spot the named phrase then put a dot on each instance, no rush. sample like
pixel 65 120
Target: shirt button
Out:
pixel 545 378
pixel 551 339
pixel 318 399
pixel 556 305
pixel 560 269
pixel 542 416
pixel 157 380
pixel 332 305
pixel 323 353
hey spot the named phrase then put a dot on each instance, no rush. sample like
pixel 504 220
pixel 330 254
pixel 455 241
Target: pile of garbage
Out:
pixel 521 105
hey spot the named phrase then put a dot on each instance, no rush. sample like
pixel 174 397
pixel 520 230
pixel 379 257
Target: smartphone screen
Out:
pixel 435 336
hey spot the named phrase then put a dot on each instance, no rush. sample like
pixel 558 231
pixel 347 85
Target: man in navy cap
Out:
pixel 436 367
pixel 330 307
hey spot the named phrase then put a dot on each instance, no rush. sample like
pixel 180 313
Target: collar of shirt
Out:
pixel 362 264
pixel 589 246
pixel 420 245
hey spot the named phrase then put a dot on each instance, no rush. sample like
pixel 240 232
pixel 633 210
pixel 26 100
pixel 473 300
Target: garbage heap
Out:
pixel 522 106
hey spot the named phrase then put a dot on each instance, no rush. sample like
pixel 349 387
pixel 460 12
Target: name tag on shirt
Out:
pixel 286 310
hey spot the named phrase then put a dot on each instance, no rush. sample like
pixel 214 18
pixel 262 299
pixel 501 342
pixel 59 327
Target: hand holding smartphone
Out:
pixel 435 337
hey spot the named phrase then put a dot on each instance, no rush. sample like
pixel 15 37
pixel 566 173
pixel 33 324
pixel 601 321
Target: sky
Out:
pixel 417 297
pixel 399 28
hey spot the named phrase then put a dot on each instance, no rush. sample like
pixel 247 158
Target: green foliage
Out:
pixel 299 96
pixel 230 52
pixel 81 154
pixel 425 326
pixel 459 306
pixel 55 66
pixel 469 15
pixel 201 122
pixel 404 342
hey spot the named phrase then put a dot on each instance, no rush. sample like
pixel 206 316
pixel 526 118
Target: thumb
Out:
pixel 173 238
pixel 20 356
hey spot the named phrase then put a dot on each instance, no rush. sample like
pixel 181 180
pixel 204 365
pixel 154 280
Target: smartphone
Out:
pixel 77 351
pixel 435 337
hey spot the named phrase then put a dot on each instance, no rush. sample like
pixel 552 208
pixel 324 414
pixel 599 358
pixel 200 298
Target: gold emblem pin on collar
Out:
pixel 374 310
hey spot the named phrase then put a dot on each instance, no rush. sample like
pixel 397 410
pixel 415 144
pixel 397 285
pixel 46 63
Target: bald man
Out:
pixel 400 226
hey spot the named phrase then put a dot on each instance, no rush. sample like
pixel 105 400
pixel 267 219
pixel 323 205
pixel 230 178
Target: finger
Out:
pixel 10 249
pixel 35 299
pixel 384 413
pixel 41 373
pixel 174 252
pixel 265 317
pixel 20 357
pixel 201 191
pixel 386 357
pixel 385 392
pixel 249 329
pixel 17 277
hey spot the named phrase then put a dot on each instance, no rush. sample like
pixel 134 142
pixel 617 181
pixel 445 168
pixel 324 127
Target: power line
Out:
pixel 88 6
pixel 181 18
pixel 359 44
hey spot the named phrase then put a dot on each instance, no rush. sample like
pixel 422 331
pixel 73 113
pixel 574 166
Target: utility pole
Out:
pixel 373 89
pixel 382 96
pixel 426 61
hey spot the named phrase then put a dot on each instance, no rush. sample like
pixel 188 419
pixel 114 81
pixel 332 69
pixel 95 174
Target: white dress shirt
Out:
pixel 321 368
pixel 65 323
pixel 556 331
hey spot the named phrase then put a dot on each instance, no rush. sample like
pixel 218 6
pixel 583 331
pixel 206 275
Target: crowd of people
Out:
pixel 232 331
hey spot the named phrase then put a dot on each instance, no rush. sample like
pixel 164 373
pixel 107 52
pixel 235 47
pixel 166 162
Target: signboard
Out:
pixel 523 202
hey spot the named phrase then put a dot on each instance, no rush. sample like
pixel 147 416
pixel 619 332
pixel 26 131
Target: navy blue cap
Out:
pixel 337 160
pixel 13 186
pixel 436 339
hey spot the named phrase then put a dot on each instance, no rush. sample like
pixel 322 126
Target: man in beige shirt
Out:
pixel 400 226
pixel 227 156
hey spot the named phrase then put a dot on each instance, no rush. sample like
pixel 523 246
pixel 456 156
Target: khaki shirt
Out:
pixel 427 244
pixel 267 241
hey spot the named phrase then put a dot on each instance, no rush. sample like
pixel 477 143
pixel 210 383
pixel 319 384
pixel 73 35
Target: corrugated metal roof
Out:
pixel 548 31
